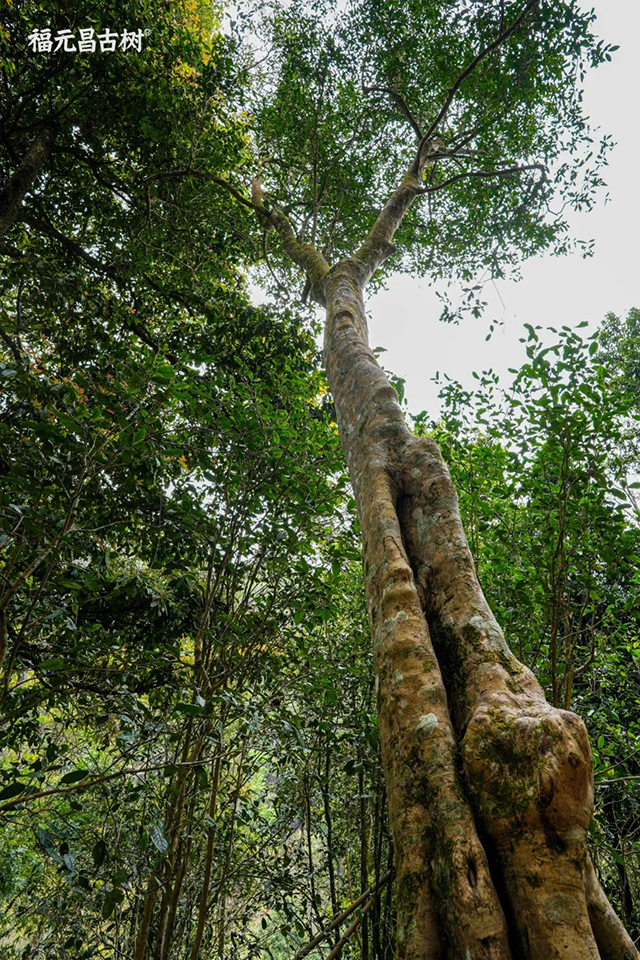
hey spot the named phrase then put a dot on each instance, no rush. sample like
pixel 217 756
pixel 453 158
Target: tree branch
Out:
pixel 305 255
pixel 378 246
pixel 204 175
pixel 23 178
pixel 108 269
pixel 487 173
pixel 337 950
pixel 12 346
pixel 341 917
pixel 45 227
pixel 485 52
pixel 399 102
pixel 94 781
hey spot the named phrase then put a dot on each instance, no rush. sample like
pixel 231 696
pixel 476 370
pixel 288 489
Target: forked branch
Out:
pixel 400 102
pixel 505 171
pixel 477 60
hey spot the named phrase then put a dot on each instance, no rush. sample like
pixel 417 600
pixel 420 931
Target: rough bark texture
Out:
pixel 21 181
pixel 490 789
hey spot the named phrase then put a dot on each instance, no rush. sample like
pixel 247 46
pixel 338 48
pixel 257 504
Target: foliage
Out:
pixel 340 95
pixel 188 713
pixel 170 489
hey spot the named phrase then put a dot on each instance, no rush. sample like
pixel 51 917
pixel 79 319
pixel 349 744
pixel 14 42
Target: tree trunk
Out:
pixel 208 859
pixel 490 789
pixel 21 181
pixel 326 803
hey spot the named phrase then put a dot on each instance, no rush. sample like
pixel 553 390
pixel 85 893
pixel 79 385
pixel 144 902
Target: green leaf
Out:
pixel 201 776
pixel 158 837
pixel 75 776
pixel 52 663
pixel 99 853
pixel 112 898
pixel 12 790
pixel 191 709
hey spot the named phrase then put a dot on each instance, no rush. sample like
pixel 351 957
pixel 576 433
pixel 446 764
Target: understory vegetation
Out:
pixel 189 754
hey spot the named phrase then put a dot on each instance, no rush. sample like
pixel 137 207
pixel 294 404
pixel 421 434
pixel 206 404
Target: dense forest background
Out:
pixel 189 750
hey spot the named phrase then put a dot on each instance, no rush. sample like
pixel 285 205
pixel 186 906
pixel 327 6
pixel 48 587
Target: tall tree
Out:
pixel 490 788
pixel 467 119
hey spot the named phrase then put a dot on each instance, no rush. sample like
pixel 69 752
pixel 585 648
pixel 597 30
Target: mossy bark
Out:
pixel 490 789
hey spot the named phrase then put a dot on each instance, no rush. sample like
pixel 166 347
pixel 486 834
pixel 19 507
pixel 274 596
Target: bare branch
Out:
pixel 399 102
pixel 485 52
pixel 507 171
pixel 337 950
pixel 341 917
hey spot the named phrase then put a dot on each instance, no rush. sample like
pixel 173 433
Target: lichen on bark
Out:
pixel 490 789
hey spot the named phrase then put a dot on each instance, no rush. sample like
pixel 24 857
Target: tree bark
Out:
pixel 23 178
pixel 490 789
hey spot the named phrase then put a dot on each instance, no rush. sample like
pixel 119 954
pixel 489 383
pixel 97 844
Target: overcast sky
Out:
pixel 553 290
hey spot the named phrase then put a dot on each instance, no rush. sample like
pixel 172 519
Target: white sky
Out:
pixel 553 290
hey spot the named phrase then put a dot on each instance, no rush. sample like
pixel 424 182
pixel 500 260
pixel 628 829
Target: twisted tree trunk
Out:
pixel 490 789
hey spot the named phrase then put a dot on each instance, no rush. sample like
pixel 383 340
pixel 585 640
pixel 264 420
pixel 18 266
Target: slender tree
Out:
pixel 490 789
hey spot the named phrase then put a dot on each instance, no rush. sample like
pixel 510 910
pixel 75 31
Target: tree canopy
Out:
pixel 190 749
